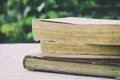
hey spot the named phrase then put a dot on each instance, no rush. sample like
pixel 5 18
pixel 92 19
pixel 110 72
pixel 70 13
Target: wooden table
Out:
pixel 11 68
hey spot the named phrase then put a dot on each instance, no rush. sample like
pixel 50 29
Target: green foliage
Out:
pixel 16 15
pixel 25 2
pixel 29 35
pixel 52 14
pixel 5 29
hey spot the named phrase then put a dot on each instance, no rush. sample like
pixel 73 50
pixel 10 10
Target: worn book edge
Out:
pixel 78 20
pixel 33 69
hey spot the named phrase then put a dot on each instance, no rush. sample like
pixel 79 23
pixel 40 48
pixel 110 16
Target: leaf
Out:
pixel 105 17
pixel 28 21
pixel 9 3
pixel 5 29
pixel 92 3
pixel 25 2
pixel 52 1
pixel 30 35
pixel 26 11
pixel 118 17
pixel 52 14
pixel 75 2
pixel 43 16
pixel 63 13
pixel 40 7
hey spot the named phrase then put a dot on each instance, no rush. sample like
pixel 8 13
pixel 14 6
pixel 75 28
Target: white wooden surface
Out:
pixel 11 68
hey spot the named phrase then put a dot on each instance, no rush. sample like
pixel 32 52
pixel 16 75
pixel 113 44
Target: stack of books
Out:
pixel 76 46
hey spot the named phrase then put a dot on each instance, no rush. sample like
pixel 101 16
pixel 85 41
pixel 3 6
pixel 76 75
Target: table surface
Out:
pixel 11 67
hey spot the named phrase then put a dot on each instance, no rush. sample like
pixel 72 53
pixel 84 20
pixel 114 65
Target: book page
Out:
pixel 74 20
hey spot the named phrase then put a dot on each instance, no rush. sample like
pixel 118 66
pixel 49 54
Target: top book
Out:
pixel 73 30
pixel 75 20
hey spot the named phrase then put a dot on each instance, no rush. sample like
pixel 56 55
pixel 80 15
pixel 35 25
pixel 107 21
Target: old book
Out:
pixel 93 67
pixel 49 48
pixel 77 30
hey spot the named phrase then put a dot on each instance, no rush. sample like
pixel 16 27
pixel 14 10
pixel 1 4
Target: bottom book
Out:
pixel 90 67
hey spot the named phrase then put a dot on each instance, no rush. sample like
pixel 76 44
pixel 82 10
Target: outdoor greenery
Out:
pixel 16 15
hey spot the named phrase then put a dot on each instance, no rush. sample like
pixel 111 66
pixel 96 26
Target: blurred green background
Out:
pixel 16 15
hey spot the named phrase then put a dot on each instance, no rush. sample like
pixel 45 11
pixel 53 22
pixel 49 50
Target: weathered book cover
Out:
pixel 77 30
pixel 90 67
pixel 53 48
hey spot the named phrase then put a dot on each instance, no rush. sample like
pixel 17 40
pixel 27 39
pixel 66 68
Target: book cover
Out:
pixel 77 31
pixel 91 67
pixel 53 48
